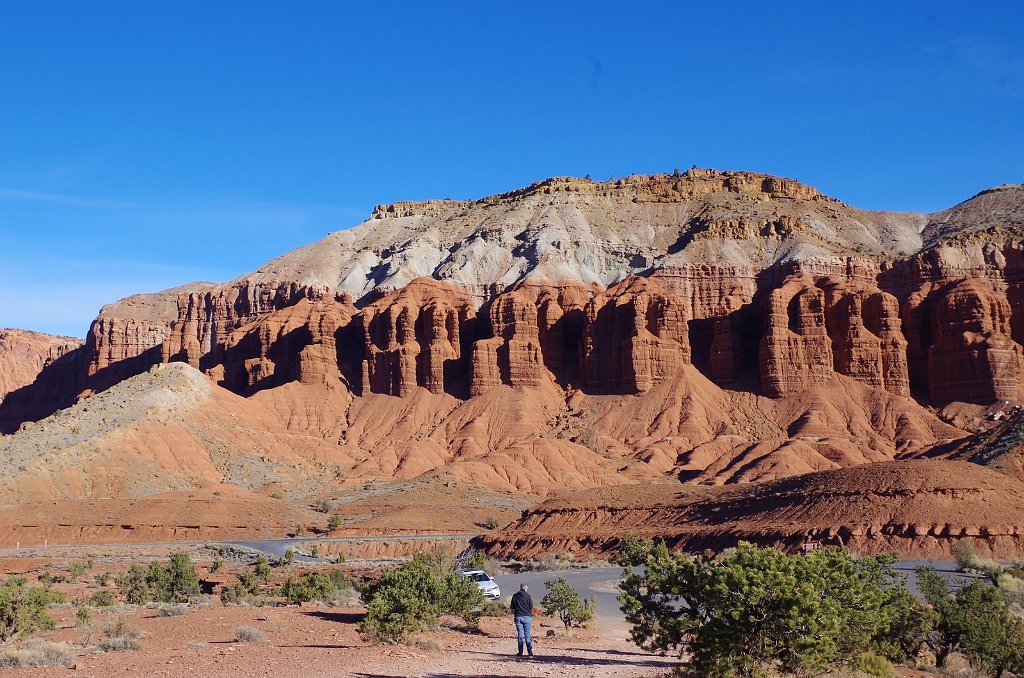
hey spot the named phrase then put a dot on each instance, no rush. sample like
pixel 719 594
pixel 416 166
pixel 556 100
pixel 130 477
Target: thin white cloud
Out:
pixel 28 195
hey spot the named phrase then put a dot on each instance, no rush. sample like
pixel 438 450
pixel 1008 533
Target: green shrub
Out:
pixel 102 578
pixel 964 554
pixel 216 565
pixel 173 583
pixel 755 610
pixel 23 608
pixel 47 577
pixel 480 561
pixel 333 523
pixel 287 559
pixel 102 598
pixel 83 617
pixel 77 569
pixel 409 598
pixel 315 586
pixel 491 523
pixel 262 569
pixel 322 506
pixel 633 550
pixel 976 621
pixel 874 665
pixel 563 601
pixel 247 586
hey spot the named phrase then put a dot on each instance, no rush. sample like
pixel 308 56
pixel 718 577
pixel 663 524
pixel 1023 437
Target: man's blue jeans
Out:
pixel 523 634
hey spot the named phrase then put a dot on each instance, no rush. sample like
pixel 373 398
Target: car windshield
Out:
pixel 479 576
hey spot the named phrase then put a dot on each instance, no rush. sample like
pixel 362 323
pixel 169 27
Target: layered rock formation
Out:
pixel 917 509
pixel 760 282
pixel 750 326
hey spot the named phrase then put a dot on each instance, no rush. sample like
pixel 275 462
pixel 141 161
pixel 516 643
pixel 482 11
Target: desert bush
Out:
pixel 247 634
pixel 287 559
pixel 545 564
pixel 756 609
pixel 425 643
pixel 36 652
pixel 172 610
pixel 157 583
pixel 47 577
pixel 333 523
pixel 480 561
pixel 874 665
pixel 315 586
pixel 441 557
pixel 968 560
pixel 78 568
pixel 409 598
pixel 216 565
pixel 119 635
pixel 83 617
pixel 102 598
pixel 495 608
pixel 23 608
pixel 976 621
pixel 322 506
pixel 563 601
pixel 102 578
pixel 491 523
pixel 247 587
pixel 964 554
pixel 261 569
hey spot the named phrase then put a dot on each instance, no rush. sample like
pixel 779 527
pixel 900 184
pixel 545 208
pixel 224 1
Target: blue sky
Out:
pixel 147 144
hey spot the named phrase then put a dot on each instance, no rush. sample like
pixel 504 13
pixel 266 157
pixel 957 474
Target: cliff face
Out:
pixel 759 285
pixel 38 374
pixel 23 355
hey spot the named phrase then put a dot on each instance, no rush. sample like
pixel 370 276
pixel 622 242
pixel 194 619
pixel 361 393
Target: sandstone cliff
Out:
pixel 23 355
pixel 719 326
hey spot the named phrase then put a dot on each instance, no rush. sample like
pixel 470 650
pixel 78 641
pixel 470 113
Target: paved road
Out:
pixel 596 582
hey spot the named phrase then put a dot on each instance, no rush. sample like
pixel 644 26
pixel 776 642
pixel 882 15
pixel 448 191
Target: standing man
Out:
pixel 522 609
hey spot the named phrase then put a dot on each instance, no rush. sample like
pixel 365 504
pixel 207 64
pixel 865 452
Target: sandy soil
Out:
pixel 312 641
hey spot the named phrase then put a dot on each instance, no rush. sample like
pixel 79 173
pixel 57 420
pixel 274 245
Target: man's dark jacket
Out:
pixel 522 604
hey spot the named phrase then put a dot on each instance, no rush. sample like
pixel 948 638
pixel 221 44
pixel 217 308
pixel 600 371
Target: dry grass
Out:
pixel 426 644
pixel 119 635
pixel 172 610
pixel 247 634
pixel 36 652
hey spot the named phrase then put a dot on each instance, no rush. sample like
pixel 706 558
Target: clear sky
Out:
pixel 147 144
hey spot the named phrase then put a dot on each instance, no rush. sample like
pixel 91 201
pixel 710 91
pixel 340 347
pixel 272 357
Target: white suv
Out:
pixel 487 586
